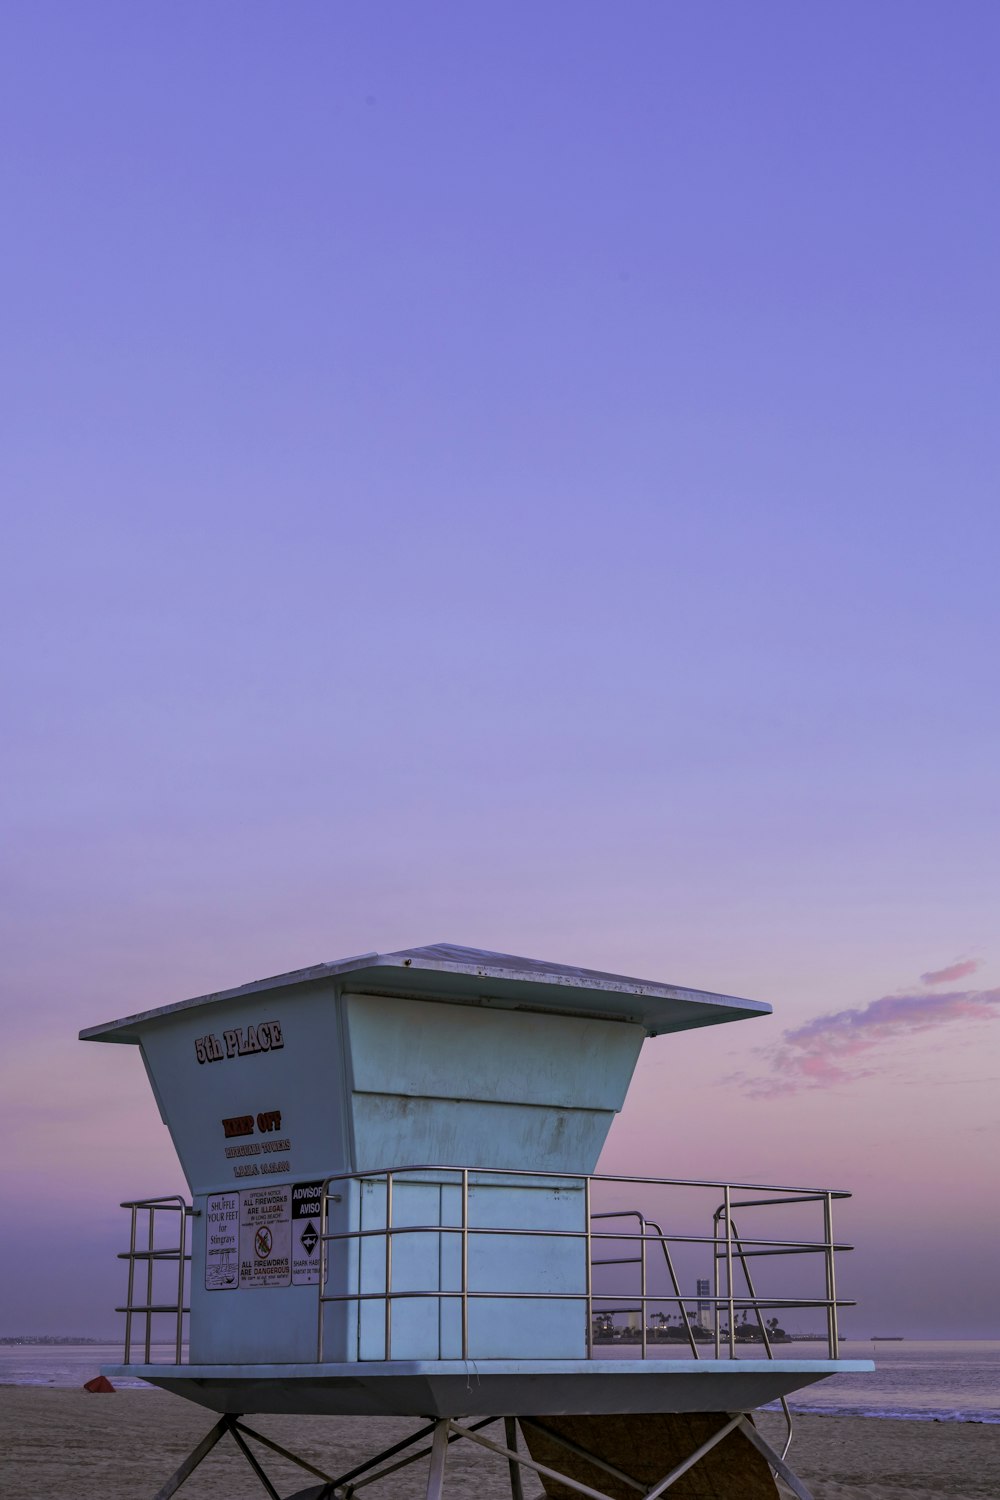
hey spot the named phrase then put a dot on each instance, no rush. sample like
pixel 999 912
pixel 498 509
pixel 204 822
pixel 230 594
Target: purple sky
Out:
pixel 519 475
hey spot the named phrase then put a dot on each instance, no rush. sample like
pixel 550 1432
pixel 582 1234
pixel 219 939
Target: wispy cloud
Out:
pixel 840 1046
pixel 960 970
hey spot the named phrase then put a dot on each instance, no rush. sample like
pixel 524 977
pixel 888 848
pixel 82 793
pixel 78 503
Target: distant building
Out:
pixel 706 1310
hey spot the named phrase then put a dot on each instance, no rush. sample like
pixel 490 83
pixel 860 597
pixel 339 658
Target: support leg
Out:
pixel 439 1455
pixel 259 1437
pixel 194 1458
pixel 347 1481
pixel 528 1463
pixel 240 1442
pixel 775 1460
pixel 343 1480
pixel 510 1433
pixel 584 1453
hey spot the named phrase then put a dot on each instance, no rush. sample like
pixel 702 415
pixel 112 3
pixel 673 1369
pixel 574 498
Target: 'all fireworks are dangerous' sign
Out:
pixel 265 1236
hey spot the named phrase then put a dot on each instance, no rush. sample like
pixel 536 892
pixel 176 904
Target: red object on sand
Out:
pixel 99 1383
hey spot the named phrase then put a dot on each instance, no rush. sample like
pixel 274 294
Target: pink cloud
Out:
pixel 831 1049
pixel 951 973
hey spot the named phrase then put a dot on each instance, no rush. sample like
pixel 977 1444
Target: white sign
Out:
pixel 265 1236
pixel 222 1221
pixel 307 1198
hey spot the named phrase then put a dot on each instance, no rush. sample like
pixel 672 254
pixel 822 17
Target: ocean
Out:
pixel 921 1380
pixel 941 1381
pixel 67 1364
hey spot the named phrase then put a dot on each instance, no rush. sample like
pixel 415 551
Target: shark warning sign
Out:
pixel 307 1202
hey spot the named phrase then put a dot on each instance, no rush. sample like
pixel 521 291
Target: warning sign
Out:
pixel 265 1237
pixel 222 1220
pixel 307 1202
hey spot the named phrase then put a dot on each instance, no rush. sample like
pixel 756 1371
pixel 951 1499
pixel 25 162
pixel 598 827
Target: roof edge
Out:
pixel 442 958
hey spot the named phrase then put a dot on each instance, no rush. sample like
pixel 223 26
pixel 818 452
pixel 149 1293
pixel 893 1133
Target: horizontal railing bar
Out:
pixel 152 1255
pixel 790 1250
pixel 741 1303
pixel 142 1307
pixel 811 1197
pixel 174 1205
pixel 812 1246
pixel 693 1182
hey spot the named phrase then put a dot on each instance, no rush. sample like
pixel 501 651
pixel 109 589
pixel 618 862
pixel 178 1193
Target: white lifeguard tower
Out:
pixel 394 1210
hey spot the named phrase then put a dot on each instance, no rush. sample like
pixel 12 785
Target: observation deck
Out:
pixel 469 1290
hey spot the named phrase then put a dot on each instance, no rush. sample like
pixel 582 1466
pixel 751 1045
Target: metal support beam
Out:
pixel 775 1460
pixel 344 1480
pixel 510 1433
pixel 267 1442
pixel 240 1442
pixel 194 1458
pixel 447 1431
pixel 528 1463
pixel 590 1458
pixel 401 1463
pixel 699 1453
pixel 439 1456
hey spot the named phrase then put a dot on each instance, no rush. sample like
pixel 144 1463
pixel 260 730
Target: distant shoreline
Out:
pixel 48 1340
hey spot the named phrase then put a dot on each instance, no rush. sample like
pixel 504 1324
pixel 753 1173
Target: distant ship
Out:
pixel 887 1338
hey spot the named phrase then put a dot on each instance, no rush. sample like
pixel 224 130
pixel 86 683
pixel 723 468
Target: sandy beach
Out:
pixel 122 1447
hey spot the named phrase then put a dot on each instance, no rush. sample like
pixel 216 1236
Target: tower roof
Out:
pixel 475 976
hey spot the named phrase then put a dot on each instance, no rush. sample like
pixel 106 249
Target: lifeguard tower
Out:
pixel 394 1211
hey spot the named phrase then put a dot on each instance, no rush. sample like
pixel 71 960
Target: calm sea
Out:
pixel 66 1364
pixel 943 1381
pixel 923 1381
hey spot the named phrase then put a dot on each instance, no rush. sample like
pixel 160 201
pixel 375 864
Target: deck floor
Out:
pixel 490 1388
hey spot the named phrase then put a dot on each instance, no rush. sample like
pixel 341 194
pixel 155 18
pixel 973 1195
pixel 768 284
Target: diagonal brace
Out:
pixel 294 1458
pixel 590 1458
pixel 402 1463
pixel 241 1443
pixel 512 1455
pixel 194 1458
pixel 775 1460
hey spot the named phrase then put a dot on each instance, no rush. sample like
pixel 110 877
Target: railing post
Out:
pixel 682 1315
pixel 324 1222
pixel 752 1293
pixel 149 1283
pixel 727 1207
pixel 130 1294
pixel 180 1282
pixel 590 1269
pixel 388 1265
pixel 833 1338
pixel 465 1262
pixel 642 1281
pixel 716 1287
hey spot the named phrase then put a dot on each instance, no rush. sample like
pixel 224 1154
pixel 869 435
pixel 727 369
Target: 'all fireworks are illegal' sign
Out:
pixel 265 1237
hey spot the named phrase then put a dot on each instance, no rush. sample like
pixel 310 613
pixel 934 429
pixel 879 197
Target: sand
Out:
pixel 77 1446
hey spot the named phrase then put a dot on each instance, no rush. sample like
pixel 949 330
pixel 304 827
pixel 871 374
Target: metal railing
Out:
pixel 726 1247
pixel 149 1256
pixel 652 1263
